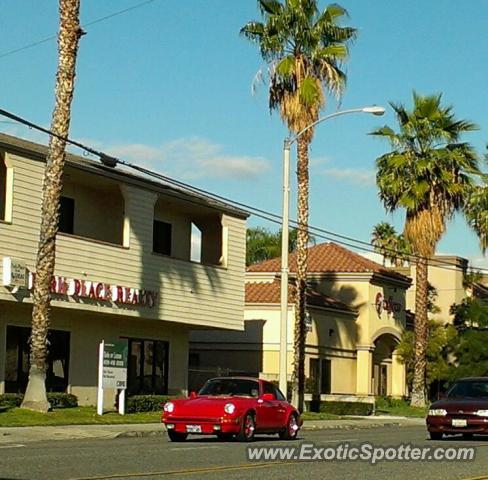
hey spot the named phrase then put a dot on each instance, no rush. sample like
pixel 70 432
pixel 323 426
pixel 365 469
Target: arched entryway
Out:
pixel 384 347
pixel 380 371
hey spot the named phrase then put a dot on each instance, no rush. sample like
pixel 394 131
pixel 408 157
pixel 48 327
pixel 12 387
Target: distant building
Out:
pixel 123 271
pixel 357 315
pixel 446 274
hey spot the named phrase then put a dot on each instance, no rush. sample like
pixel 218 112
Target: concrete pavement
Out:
pixel 15 435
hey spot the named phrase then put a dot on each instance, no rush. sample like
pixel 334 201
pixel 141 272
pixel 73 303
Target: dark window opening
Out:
pixel 325 374
pixel 17 360
pixel 3 188
pixel 162 234
pixel 148 367
pixel 66 215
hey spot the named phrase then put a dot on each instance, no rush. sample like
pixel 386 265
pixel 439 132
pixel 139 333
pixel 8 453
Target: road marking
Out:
pixel 14 445
pixel 193 448
pixel 483 477
pixel 190 471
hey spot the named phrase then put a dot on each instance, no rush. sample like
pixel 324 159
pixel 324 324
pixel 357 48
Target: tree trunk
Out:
pixel 421 334
pixel 69 33
pixel 301 274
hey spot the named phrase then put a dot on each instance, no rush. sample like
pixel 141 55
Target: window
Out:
pixel 162 233
pixel 314 376
pixel 325 372
pixel 279 395
pixel 269 388
pixel 148 367
pixel 3 188
pixel 66 215
pixel 17 360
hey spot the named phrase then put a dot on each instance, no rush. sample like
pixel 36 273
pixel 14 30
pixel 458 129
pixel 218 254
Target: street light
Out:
pixel 374 110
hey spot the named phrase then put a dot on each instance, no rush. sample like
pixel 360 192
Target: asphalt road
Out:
pixel 206 458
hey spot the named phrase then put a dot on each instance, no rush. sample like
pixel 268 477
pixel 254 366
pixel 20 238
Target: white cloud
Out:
pixel 352 175
pixel 192 157
pixel 479 262
pixel 187 158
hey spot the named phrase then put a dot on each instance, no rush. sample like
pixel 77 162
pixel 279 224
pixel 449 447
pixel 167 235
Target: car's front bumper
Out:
pixel 207 426
pixel 445 425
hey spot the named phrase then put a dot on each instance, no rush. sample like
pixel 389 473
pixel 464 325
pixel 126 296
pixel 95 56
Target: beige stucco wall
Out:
pixel 87 330
pixel 190 293
pixel 447 280
pixel 360 294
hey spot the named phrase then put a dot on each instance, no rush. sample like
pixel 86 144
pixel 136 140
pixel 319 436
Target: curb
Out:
pixel 314 427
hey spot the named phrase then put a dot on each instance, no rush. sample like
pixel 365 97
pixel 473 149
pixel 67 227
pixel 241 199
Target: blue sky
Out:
pixel 168 85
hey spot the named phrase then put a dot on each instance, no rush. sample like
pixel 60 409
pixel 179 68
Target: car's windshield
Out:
pixel 231 386
pixel 469 389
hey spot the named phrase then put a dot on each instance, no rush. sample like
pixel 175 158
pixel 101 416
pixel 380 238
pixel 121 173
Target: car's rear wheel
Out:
pixel 435 435
pixel 291 430
pixel 248 426
pixel 177 436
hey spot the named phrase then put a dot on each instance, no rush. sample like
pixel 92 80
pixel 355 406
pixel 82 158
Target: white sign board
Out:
pixel 14 273
pixel 112 371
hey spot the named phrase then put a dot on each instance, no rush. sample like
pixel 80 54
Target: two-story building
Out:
pixel 356 311
pixel 125 269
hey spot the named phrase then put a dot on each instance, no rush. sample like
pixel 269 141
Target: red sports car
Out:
pixel 232 406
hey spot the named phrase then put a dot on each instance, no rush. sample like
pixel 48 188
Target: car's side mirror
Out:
pixel 193 394
pixel 268 397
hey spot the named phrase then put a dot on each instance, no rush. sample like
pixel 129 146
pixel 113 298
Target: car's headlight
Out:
pixel 482 413
pixel 169 407
pixel 437 412
pixel 229 408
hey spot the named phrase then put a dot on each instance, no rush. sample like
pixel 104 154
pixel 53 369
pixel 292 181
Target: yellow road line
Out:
pixel 225 468
pixel 483 477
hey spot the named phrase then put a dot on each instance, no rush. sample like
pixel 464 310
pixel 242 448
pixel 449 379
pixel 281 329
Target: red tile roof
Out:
pixel 329 257
pixel 269 292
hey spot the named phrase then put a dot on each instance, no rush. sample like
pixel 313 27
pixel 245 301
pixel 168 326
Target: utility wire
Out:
pixel 345 240
pixel 93 22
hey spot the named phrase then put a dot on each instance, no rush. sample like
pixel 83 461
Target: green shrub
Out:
pixel 62 400
pixel 11 400
pixel 146 403
pixel 347 408
pixel 57 400
pixel 387 403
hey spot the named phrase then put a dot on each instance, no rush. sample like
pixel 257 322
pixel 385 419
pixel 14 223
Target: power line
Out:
pixel 93 22
pixel 345 240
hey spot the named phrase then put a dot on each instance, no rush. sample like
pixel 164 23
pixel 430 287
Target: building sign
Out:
pixel 14 273
pixel 115 364
pixel 387 305
pixel 73 287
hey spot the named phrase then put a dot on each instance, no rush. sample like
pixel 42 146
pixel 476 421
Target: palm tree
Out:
pixel 393 247
pixel 476 213
pixel 69 33
pixel 304 49
pixel 428 173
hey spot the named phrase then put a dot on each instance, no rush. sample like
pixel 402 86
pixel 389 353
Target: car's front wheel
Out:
pixel 248 426
pixel 177 436
pixel 435 435
pixel 291 430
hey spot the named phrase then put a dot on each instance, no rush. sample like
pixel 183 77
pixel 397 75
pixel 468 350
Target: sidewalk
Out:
pixel 20 435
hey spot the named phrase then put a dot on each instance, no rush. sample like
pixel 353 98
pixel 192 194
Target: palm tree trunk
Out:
pixel 421 334
pixel 69 33
pixel 301 278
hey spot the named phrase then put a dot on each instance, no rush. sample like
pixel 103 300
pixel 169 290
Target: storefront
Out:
pixel 127 271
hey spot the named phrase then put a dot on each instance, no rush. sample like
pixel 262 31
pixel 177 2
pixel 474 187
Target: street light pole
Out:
pixel 283 374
